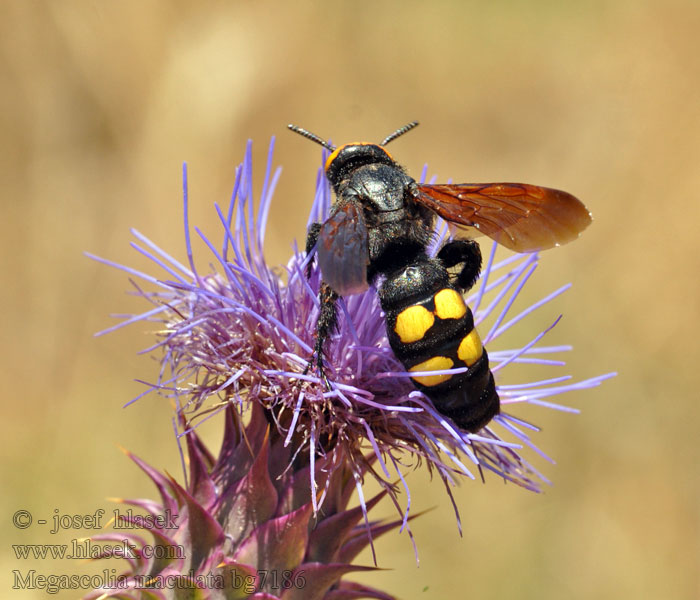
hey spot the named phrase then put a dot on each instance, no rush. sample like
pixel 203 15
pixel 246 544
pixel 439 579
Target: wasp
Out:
pixel 378 233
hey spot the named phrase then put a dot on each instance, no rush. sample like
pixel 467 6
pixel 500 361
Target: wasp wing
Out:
pixel 519 216
pixel 343 252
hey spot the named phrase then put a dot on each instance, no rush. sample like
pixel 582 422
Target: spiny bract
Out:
pixel 244 527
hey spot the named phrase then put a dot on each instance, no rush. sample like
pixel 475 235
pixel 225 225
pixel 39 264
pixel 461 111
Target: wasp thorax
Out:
pixel 412 283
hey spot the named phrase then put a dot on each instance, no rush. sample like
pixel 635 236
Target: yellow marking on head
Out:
pixel 470 348
pixel 449 304
pixel 436 363
pixel 412 323
pixel 333 155
pixel 385 152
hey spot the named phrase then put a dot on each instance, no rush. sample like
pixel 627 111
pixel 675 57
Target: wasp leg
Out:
pixel 311 240
pixel 468 254
pixel 328 316
pixel 327 322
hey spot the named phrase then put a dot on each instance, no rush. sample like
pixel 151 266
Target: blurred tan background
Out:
pixel 100 104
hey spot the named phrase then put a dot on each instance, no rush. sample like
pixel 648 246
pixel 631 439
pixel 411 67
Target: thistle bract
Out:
pixel 243 526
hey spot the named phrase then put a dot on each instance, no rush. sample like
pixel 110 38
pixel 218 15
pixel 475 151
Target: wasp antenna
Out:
pixel 391 137
pixel 312 136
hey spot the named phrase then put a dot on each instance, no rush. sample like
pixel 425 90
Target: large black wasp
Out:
pixel 379 229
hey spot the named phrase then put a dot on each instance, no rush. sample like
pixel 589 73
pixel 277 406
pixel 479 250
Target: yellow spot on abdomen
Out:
pixel 412 323
pixel 436 363
pixel 470 348
pixel 449 304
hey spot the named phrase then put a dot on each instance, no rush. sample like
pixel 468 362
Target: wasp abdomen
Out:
pixel 436 332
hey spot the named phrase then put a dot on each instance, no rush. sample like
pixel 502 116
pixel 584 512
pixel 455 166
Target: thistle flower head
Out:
pixel 242 334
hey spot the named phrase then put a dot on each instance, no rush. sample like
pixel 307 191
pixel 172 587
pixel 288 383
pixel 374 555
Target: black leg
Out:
pixel 468 254
pixel 328 316
pixel 327 322
pixel 311 240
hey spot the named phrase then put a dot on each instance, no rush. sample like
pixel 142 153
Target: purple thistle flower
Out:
pixel 243 333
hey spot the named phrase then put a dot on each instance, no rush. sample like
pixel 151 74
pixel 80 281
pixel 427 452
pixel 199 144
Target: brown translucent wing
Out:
pixel 519 216
pixel 343 253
